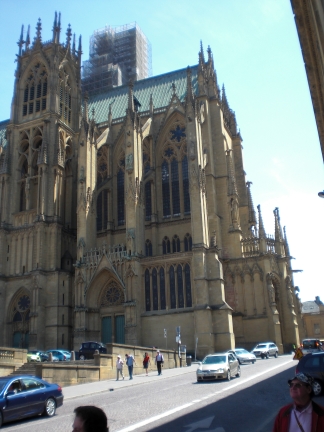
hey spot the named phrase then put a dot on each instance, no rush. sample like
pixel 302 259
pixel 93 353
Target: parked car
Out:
pixel 218 366
pixel 60 355
pixel 243 356
pixel 313 364
pixel 36 356
pixel 25 396
pixel 311 345
pixel 87 349
pixel 265 350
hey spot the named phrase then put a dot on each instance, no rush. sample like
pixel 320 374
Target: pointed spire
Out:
pixel 38 37
pixel 109 116
pixel 80 46
pixel 73 44
pixel 232 188
pixel 189 95
pixel 21 42
pixel 55 27
pixel 286 242
pixel 151 106
pixel 58 29
pixel 252 217
pixel 224 98
pixel 201 54
pixel 210 55
pixel 85 113
pixel 27 39
pixel 130 96
pixel 262 233
pixel 278 230
pixel 68 37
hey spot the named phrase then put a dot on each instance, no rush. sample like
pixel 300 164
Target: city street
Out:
pixel 176 402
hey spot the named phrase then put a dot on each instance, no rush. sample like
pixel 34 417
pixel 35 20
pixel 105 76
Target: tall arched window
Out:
pixel 102 210
pixel 173 300
pixel 121 191
pixel 187 243
pixel 148 248
pixel 148 201
pixel 162 289
pixel 147 291
pixel 155 290
pixel 188 286
pixel 174 173
pixel 35 90
pixel 180 287
pixel 166 245
pixel 175 244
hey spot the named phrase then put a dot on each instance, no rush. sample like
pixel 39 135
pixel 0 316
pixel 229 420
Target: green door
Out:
pixel 17 342
pixel 120 329
pixel 106 330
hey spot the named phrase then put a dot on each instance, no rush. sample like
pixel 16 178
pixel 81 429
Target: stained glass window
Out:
pixel 180 287
pixel 120 197
pixel 175 188
pixel 185 182
pixel 155 290
pixel 188 286
pixel 173 300
pixel 166 190
pixel 148 248
pixel 175 244
pixel 166 245
pixel 147 291
pixel 162 289
pixel 102 210
pixel 148 201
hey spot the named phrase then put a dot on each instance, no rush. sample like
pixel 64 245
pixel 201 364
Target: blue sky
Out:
pixel 257 56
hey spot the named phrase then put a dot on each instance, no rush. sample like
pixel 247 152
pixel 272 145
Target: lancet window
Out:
pixel 178 286
pixel 102 210
pixel 148 201
pixel 166 246
pixel 35 91
pixel 187 243
pixel 148 248
pixel 175 244
pixel 174 173
pixel 121 190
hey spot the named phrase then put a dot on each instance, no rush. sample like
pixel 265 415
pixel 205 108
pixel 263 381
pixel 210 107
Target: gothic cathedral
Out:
pixel 127 212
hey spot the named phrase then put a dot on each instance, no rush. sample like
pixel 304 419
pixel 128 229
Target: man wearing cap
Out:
pixel 159 361
pixel 303 415
pixel 119 367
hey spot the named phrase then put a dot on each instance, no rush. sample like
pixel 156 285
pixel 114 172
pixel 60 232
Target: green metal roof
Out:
pixel 3 125
pixel 159 86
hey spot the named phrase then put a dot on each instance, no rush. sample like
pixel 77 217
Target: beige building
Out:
pixel 128 213
pixel 313 318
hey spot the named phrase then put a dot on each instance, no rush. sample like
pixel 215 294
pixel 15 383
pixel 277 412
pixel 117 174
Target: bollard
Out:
pixel 72 355
pixel 50 357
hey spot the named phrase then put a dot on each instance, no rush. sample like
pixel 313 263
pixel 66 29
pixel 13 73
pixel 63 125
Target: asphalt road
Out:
pixel 176 402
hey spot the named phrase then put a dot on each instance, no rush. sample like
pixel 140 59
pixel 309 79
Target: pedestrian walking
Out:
pixel 303 415
pixel 130 361
pixel 146 363
pixel 119 367
pixel 159 360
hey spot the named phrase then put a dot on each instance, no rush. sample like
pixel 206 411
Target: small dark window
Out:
pixel 63 299
pixel 25 110
pixel 39 90
pixel 26 95
pixel 45 88
pixel 31 108
pixel 37 106
pixel 32 93
pixel 43 104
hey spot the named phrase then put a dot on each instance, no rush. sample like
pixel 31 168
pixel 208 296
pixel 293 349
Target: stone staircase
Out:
pixel 25 369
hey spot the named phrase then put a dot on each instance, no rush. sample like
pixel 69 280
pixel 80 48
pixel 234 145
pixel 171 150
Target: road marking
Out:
pixel 182 407
pixel 205 423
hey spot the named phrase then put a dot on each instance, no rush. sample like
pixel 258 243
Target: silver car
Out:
pixel 265 350
pixel 218 366
pixel 244 356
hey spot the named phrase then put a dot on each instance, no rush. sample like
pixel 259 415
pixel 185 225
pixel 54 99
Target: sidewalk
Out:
pixel 78 390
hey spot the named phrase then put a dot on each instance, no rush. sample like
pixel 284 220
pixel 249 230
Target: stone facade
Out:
pixel 116 227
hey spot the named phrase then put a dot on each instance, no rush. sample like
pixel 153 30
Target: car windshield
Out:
pixel 241 351
pixel 3 382
pixel 261 346
pixel 310 343
pixel 214 359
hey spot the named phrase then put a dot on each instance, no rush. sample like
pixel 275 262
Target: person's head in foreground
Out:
pixel 90 419
pixel 301 389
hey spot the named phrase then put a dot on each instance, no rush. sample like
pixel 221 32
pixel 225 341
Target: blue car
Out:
pixel 61 355
pixel 26 396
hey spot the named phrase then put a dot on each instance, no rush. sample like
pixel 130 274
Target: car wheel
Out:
pixel 276 354
pixel 82 357
pixel 50 407
pixel 267 355
pixel 238 374
pixel 229 375
pixel 317 387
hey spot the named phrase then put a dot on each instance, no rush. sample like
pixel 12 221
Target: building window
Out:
pixel 162 289
pixel 148 201
pixel 166 246
pixel 147 291
pixel 185 182
pixel 175 244
pixel 148 248
pixel 35 92
pixel 180 287
pixel 102 210
pixel 155 290
pixel 173 301
pixel 188 286
pixel 187 243
pixel 121 192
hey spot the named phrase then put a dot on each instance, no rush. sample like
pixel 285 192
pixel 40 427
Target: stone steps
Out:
pixel 25 369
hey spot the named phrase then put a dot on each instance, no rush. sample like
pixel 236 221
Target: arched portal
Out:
pixel 19 319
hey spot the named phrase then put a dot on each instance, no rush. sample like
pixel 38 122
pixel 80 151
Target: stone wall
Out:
pixel 11 359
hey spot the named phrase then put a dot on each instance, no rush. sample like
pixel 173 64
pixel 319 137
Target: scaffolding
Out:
pixel 116 56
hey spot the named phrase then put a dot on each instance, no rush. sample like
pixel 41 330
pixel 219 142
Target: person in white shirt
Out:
pixel 159 360
pixel 119 367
